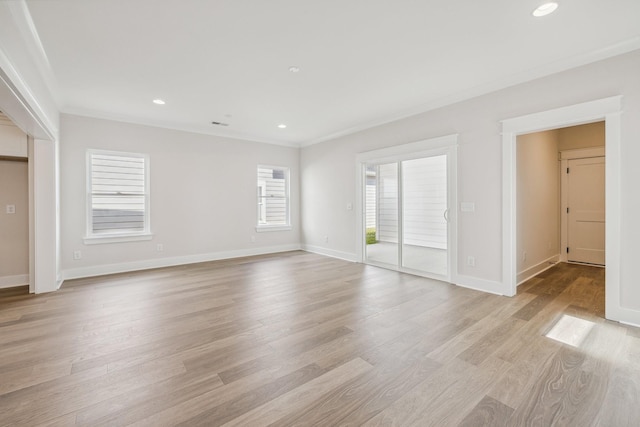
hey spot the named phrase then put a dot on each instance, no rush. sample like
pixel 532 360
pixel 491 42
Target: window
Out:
pixel 273 198
pixel 118 196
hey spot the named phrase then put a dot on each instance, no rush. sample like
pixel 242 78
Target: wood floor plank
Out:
pixel 489 412
pixel 444 398
pixel 303 396
pixel 252 399
pixel 516 385
pixel 364 397
pixel 545 406
pixel 624 386
pixel 300 339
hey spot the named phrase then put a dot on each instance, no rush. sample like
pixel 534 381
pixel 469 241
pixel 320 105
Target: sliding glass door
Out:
pixel 381 211
pixel 424 214
pixel 406 213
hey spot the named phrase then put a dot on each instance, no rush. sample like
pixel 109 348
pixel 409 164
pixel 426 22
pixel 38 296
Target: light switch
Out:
pixel 467 207
pixel 11 209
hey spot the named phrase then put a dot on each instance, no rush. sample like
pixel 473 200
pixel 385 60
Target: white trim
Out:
pixel 182 127
pixel 636 325
pixel 287 187
pixel 97 239
pixel 13 281
pixel 533 271
pixel 564 203
pixel 91 238
pixel 43 257
pixel 578 114
pixel 346 256
pixel 477 284
pixel 613 185
pixel 582 153
pixel 443 145
pixel 267 228
pixel 27 28
pixel 100 270
pixel 412 150
pixel 608 109
pixel 565 63
pixel 28 116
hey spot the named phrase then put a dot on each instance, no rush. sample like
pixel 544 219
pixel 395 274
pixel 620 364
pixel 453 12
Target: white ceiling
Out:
pixel 363 62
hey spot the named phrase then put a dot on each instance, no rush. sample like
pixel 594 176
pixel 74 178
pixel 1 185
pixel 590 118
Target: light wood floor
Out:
pixel 301 339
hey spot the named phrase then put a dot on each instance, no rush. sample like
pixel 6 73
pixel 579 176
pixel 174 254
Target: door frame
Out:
pixel 435 146
pixel 608 110
pixel 565 156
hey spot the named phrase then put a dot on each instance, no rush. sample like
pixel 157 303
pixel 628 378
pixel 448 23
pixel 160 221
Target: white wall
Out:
pixel 538 210
pixel 328 171
pixel 203 196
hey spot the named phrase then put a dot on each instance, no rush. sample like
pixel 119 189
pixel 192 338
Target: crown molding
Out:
pixel 558 66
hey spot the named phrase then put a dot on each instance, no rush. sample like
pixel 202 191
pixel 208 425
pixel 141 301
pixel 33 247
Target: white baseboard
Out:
pixel 100 270
pixel 13 281
pixel 477 284
pixel 530 272
pixel 635 325
pixel 347 256
pixel 626 316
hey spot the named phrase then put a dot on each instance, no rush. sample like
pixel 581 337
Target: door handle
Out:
pixel 446 215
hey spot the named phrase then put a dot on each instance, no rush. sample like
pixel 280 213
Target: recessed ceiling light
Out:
pixel 282 126
pixel 159 102
pixel 294 69
pixel 545 9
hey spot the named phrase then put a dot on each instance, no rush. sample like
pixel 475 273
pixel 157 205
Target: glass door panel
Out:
pixel 381 214
pixel 424 215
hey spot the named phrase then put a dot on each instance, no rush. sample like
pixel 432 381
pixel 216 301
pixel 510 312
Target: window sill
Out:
pixel 265 228
pixel 116 238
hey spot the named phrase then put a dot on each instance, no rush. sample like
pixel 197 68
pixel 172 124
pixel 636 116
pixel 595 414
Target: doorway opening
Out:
pixel 14 206
pixel 561 212
pixel 608 110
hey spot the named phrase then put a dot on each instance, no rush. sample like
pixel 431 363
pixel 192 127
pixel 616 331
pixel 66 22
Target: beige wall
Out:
pixel 538 226
pixel 202 196
pixel 583 136
pixel 13 142
pixel 14 228
pixel 329 175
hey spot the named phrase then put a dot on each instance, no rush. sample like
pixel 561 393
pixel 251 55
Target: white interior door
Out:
pixel 586 210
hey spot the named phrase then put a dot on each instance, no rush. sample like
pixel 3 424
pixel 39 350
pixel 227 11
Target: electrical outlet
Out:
pixel 77 255
pixel 11 209
pixel 159 247
pixel 253 239
pixel 471 261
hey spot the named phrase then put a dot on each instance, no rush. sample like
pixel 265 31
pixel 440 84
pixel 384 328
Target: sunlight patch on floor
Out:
pixel 571 330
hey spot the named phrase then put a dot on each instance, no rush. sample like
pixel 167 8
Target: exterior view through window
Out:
pixel 273 196
pixel 118 196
